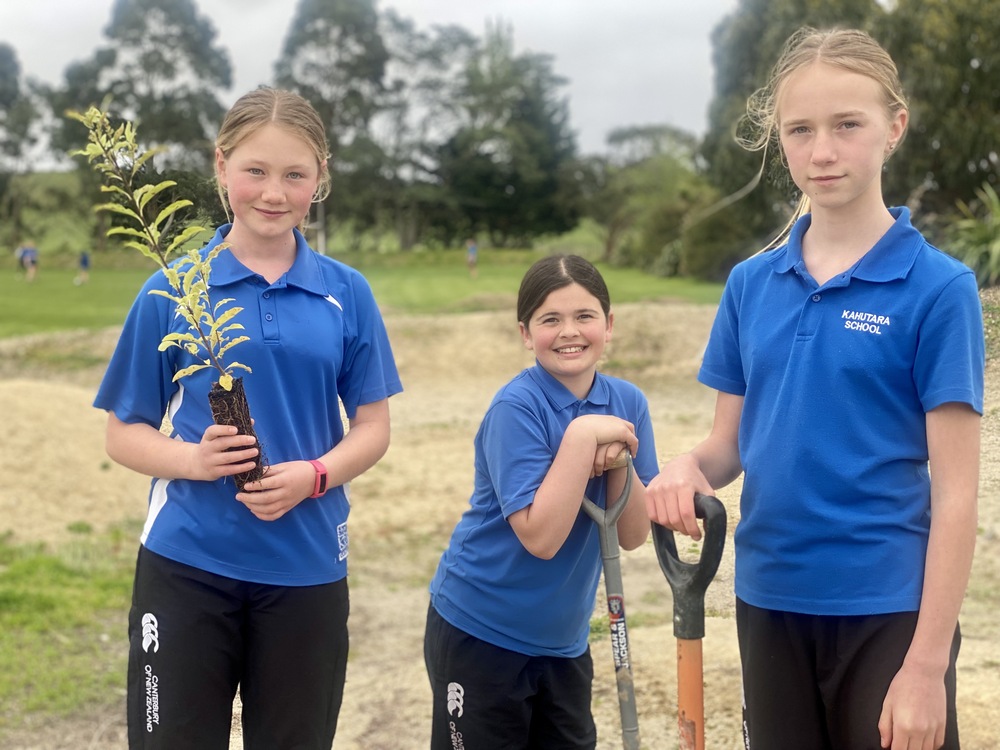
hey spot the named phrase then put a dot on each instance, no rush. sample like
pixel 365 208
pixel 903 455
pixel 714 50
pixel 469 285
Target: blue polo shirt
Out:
pixel 316 340
pixel 487 584
pixel 836 380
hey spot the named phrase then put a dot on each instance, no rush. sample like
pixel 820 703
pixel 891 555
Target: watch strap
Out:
pixel 320 487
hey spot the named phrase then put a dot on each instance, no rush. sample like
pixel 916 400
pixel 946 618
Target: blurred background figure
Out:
pixel 83 269
pixel 472 256
pixel 27 258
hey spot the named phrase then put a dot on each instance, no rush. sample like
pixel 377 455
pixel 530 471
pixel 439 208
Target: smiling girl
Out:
pixel 849 364
pixel 506 640
pixel 249 588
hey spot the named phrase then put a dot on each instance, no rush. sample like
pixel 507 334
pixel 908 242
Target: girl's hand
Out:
pixel 913 712
pixel 610 435
pixel 222 452
pixel 282 487
pixel 670 496
pixel 605 457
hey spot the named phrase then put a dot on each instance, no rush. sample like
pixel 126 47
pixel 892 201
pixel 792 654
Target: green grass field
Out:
pixel 416 283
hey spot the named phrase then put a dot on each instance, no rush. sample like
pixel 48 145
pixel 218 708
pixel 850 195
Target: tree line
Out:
pixel 439 134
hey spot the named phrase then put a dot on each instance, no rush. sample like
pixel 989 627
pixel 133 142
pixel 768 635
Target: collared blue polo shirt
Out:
pixel 316 340
pixel 487 584
pixel 837 380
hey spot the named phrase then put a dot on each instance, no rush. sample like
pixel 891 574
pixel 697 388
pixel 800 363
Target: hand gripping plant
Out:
pixel 113 152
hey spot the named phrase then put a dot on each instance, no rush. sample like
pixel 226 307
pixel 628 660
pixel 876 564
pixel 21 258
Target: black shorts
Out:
pixel 195 636
pixel 818 682
pixel 489 698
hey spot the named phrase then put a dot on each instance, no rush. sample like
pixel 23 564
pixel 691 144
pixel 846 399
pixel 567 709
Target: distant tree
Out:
pixel 163 70
pixel 19 112
pixel 649 171
pixel 334 56
pixel 950 66
pixel 19 120
pixel 416 115
pixel 510 164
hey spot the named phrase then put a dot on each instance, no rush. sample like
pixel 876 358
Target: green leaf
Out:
pixel 183 237
pixel 161 293
pixel 225 317
pixel 171 209
pixel 225 348
pixel 117 208
pixel 145 193
pixel 189 371
pixel 129 232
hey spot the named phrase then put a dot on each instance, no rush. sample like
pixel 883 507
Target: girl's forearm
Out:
pixel 146 450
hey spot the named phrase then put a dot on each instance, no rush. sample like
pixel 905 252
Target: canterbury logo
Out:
pixel 150 633
pixel 456 699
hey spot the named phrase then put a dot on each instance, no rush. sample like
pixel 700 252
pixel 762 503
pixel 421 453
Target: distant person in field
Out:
pixel 27 258
pixel 83 268
pixel 472 256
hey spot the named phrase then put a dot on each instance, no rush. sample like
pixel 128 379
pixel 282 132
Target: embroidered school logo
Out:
pixel 342 544
pixel 150 633
pixel 866 322
pixel 456 699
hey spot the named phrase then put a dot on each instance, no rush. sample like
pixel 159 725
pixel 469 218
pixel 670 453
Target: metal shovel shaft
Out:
pixel 607 524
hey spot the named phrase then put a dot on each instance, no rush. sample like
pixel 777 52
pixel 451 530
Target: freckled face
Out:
pixel 835 131
pixel 568 333
pixel 270 179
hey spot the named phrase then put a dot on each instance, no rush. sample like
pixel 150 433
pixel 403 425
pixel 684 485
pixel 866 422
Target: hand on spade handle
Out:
pixel 607 520
pixel 688 582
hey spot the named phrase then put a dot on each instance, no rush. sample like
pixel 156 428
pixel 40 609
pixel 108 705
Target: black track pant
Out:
pixel 195 636
pixel 818 682
pixel 489 698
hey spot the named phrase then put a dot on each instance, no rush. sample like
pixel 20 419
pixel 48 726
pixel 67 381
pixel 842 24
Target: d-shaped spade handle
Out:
pixel 689 581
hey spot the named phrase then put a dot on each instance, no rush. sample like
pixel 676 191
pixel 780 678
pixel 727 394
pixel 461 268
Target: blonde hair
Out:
pixel 286 109
pixel 849 49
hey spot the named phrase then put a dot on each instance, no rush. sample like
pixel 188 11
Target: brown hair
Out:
pixel 286 109
pixel 555 272
pixel 850 49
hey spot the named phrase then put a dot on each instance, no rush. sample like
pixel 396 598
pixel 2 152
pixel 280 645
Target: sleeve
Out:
pixel 722 364
pixel 951 358
pixel 369 373
pixel 139 380
pixel 645 461
pixel 517 454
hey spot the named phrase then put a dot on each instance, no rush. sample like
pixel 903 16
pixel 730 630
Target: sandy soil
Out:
pixel 404 511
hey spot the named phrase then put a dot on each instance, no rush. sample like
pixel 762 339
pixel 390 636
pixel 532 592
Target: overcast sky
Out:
pixel 629 62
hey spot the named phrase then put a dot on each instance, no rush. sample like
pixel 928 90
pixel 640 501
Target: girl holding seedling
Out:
pixel 506 640
pixel 248 588
pixel 849 363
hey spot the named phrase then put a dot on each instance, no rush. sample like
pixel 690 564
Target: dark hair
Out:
pixel 555 272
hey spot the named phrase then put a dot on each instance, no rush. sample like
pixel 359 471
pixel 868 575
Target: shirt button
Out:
pixel 817 297
pixel 269 317
pixel 267 295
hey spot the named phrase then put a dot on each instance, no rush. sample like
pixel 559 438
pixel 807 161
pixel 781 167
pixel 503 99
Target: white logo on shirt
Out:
pixel 866 322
